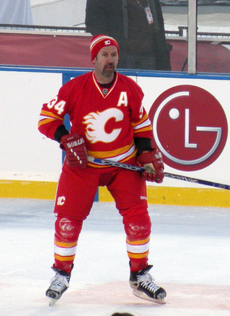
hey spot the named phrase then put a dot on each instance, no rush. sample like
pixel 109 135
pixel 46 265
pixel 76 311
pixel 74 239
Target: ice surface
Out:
pixel 189 249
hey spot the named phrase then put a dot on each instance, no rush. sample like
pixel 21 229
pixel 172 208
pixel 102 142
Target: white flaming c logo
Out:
pixel 96 122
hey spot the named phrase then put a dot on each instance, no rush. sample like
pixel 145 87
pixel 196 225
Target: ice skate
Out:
pixel 58 285
pixel 144 287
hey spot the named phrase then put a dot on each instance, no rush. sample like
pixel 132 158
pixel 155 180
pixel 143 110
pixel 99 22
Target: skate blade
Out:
pixel 146 297
pixel 52 301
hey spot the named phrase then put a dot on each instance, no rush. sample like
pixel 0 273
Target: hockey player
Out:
pixel 108 121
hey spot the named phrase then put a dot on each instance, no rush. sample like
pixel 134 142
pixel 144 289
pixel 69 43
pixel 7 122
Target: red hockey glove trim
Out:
pixel 75 150
pixel 153 163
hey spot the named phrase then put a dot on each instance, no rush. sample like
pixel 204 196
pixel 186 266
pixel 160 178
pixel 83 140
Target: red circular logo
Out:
pixel 189 127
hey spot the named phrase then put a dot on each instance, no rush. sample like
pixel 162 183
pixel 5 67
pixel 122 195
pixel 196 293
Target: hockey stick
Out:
pixel 167 174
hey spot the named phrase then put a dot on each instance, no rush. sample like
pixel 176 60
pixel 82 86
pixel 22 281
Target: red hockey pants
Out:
pixel 74 199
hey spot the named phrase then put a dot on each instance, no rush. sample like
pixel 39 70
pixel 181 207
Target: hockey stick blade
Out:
pixel 199 181
pixel 167 174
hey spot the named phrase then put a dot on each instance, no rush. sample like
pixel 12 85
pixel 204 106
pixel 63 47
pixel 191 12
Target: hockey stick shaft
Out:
pixel 167 174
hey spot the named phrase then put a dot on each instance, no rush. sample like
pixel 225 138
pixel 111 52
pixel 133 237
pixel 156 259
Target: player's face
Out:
pixel 105 62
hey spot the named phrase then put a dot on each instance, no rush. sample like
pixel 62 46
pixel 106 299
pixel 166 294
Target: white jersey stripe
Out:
pixel 144 124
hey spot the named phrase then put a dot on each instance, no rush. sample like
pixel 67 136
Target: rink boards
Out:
pixel 189 114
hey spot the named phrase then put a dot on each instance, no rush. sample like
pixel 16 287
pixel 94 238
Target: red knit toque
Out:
pixel 100 41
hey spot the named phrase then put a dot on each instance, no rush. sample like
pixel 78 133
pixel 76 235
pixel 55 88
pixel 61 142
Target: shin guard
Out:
pixel 138 229
pixel 67 231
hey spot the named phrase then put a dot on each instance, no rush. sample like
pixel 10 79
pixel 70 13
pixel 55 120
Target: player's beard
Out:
pixel 108 70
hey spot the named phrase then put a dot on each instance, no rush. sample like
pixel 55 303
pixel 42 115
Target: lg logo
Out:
pixel 189 127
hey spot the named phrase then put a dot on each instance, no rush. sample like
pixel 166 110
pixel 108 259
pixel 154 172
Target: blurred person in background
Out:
pixel 138 27
pixel 16 12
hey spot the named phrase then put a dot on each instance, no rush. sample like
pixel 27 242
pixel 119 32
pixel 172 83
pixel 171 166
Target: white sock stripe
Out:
pixel 65 251
pixel 137 248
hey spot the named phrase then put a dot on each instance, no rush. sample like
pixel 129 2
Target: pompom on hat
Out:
pixel 100 41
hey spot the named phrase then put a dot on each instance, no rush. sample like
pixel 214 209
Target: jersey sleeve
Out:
pixel 52 114
pixel 140 121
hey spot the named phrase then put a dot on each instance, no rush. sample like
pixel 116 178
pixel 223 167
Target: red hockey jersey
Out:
pixel 108 119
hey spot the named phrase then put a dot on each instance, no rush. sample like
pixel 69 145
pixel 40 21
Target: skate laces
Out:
pixel 147 282
pixel 59 282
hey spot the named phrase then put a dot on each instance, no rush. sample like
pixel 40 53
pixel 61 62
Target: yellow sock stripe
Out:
pixel 60 258
pixel 138 242
pixel 138 255
pixel 65 244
